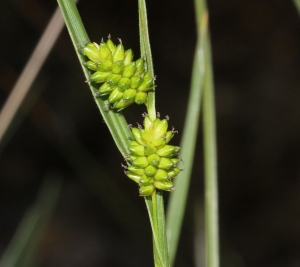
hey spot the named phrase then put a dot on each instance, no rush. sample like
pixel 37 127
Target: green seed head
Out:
pixel 106 60
pixel 151 159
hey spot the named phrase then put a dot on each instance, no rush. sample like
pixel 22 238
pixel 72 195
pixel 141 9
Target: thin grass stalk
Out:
pixel 210 150
pixel 210 165
pixel 178 198
pixel 155 203
pixel 28 75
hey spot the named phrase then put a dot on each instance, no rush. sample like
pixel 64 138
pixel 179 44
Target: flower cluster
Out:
pixel 152 162
pixel 124 80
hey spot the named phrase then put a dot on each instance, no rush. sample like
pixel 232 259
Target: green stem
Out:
pixel 146 50
pixel 210 148
pixel 157 258
pixel 178 198
pixel 154 208
pixel 156 212
pixel 210 165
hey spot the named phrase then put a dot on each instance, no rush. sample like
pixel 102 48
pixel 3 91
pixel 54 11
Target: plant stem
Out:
pixel 146 50
pixel 156 212
pixel 157 258
pixel 210 148
pixel 178 198
pixel 210 165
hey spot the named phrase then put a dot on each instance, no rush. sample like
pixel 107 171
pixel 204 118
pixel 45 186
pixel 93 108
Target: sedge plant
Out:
pixel 117 81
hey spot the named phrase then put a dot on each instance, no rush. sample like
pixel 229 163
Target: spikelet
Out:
pixel 152 161
pixel 123 80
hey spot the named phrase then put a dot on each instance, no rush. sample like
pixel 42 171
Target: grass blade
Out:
pixel 28 75
pixel 178 198
pixel 210 151
pixel 210 167
pixel 115 120
pixel 146 50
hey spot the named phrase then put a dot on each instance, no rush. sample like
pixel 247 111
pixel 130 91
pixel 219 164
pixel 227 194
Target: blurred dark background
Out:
pixel 100 220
